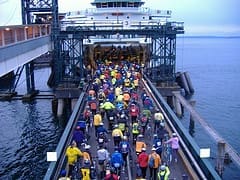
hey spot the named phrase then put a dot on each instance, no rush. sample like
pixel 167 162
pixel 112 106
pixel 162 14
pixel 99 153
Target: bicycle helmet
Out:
pixel 174 134
pixel 162 167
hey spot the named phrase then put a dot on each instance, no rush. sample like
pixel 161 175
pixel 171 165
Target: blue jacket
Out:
pixel 101 129
pixel 78 136
pixel 116 158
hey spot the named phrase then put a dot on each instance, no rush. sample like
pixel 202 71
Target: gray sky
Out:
pixel 217 17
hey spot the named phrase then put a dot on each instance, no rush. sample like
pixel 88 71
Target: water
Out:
pixel 28 131
pixel 214 67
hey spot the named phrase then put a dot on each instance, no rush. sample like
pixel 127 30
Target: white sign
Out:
pixel 51 156
pixel 205 153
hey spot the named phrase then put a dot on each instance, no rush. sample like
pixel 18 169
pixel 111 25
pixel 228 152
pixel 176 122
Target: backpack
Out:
pixel 124 147
pixel 151 161
pixel 135 127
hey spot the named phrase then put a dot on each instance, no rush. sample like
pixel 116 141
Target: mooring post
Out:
pixel 220 157
pixel 192 122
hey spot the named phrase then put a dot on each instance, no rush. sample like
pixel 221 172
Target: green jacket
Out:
pixel 163 175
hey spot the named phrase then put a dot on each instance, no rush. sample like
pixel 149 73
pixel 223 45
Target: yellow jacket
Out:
pixel 72 153
pixel 117 132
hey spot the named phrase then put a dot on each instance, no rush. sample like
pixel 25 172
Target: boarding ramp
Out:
pixel 22 44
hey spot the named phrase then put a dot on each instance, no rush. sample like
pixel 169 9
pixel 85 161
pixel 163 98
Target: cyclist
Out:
pixel 122 120
pixel 72 154
pixel 117 160
pixel 97 119
pixel 144 122
pixel 158 118
pixel 142 160
pixel 78 136
pixel 163 173
pixel 126 97
pixel 157 144
pixel 140 144
pixel 93 105
pixel 161 132
pixel 134 112
pixel 147 103
pixel 87 153
pixel 117 135
pixel 156 163
pixel 135 131
pixel 101 129
pixel 108 106
pixel 103 156
pixel 174 140
pixel 125 149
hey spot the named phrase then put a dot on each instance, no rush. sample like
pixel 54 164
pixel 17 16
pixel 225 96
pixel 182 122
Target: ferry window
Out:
pixel 98 5
pixel 143 17
pixel 110 4
pixel 124 4
pixel 106 17
pixel 127 17
pixel 118 4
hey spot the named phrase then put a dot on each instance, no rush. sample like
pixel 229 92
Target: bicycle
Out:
pixel 167 150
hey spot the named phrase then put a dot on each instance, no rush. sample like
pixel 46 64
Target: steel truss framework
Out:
pixel 162 62
pixel 70 52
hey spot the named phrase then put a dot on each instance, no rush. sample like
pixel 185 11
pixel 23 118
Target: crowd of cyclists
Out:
pixel 121 120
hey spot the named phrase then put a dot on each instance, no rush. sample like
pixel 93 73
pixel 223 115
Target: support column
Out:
pixel 31 92
pixel 60 107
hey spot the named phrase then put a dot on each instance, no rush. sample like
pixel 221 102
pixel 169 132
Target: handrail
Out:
pixel 14 34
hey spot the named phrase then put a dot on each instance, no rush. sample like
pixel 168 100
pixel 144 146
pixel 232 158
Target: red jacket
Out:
pixel 134 111
pixel 108 177
pixel 143 159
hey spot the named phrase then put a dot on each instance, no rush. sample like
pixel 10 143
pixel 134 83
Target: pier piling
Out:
pixel 220 157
